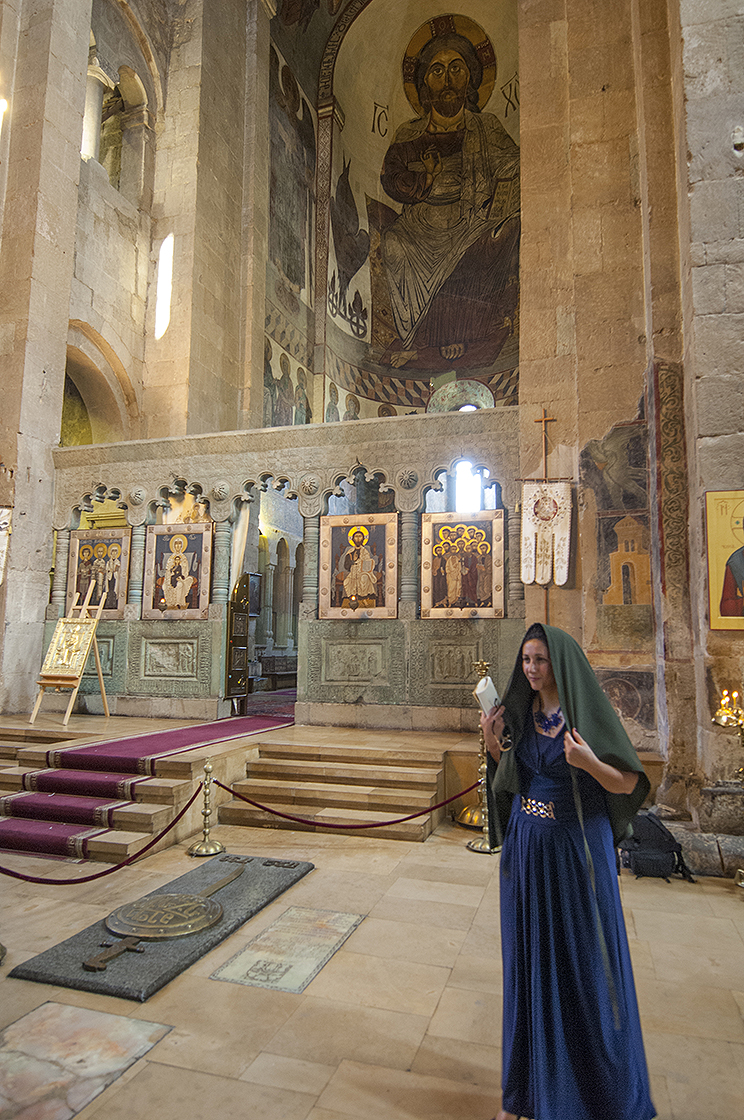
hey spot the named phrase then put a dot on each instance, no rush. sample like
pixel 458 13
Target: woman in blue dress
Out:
pixel 564 784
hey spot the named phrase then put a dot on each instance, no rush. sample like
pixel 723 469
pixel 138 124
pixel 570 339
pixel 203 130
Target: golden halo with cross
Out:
pixel 441 27
pixel 358 529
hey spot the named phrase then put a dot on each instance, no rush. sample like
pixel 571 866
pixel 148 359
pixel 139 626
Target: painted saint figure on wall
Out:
pixel 451 256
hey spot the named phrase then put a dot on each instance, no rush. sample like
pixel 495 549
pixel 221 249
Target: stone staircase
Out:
pixel 339 784
pixel 147 809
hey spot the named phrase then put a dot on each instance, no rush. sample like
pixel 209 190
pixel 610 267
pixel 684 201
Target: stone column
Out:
pixel 409 566
pixel 44 62
pixel 61 565
pixel 221 562
pixel 267 609
pixel 95 88
pixel 136 156
pixel 311 541
pixel 133 608
pixel 291 636
pixel 514 538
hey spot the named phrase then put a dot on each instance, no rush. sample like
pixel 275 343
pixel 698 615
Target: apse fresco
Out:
pixel 411 155
pixel 424 204
pixel 286 398
pixel 291 199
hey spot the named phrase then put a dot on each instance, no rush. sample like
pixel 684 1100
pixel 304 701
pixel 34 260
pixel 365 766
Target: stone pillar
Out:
pixel 291 636
pixel 136 156
pixel 44 62
pixel 409 566
pixel 59 584
pixel 133 608
pixel 513 540
pixel 221 562
pixel 311 542
pixel 95 87
pixel 267 608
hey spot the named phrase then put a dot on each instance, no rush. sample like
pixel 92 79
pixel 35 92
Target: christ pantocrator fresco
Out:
pixel 451 254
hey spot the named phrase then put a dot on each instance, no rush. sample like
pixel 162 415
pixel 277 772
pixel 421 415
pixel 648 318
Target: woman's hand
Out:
pixel 579 754
pixel 492 724
pixel 577 751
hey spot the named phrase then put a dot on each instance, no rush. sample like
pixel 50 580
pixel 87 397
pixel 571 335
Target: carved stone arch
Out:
pixel 103 384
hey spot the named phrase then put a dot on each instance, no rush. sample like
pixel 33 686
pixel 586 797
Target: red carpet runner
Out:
pixel 86 783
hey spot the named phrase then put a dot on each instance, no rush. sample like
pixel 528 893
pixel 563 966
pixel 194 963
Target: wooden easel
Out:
pixel 68 652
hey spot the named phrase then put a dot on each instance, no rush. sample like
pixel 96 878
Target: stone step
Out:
pixel 390 756
pixel 397 800
pixel 323 820
pixel 296 769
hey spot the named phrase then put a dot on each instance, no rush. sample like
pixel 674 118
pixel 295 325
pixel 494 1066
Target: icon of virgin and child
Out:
pixel 451 255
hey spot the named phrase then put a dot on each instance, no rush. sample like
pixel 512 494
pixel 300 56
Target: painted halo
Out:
pixel 177 537
pixel 357 529
pixel 442 26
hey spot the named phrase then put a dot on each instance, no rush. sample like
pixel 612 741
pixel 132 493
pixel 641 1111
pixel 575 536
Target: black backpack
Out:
pixel 652 850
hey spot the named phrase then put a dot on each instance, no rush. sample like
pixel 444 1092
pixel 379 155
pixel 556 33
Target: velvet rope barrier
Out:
pixel 346 827
pixel 108 870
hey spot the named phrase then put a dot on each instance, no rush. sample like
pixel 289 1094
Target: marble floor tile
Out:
pixel 444 914
pixel 376 1093
pixel 201 1038
pixel 713 965
pixel 169 1093
pixel 404 941
pixel 289 1073
pixel 427 890
pixel 660 927
pixel 479 973
pixel 390 985
pixel 328 1033
pixel 475 1062
pixel 467 1015
pixel 704 1078
pixel 688 1009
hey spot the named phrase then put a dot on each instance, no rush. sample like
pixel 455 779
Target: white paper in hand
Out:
pixel 486 695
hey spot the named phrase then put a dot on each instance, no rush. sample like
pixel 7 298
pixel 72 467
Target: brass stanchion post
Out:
pixel 473 816
pixel 205 846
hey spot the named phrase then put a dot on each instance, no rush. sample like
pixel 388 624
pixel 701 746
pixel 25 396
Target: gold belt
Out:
pixel 538 808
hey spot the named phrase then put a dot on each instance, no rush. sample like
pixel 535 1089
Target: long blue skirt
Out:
pixel 572 1044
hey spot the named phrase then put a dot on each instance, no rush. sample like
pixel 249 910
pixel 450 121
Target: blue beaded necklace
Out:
pixel 548 723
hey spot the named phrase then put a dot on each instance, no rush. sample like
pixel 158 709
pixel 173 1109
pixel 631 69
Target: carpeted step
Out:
pixel 56 839
pixel 162 791
pixel 70 809
pixel 139 754
pixel 322 819
pixel 344 773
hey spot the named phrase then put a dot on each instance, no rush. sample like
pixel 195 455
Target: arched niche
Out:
pixel 103 386
pixel 382 345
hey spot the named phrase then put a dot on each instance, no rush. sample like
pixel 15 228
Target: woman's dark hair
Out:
pixel 463 47
pixel 536 633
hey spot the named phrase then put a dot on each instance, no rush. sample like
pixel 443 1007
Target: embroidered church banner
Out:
pixel 546 532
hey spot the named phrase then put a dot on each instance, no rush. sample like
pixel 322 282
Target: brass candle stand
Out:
pixel 205 846
pixel 474 816
pixel 730 714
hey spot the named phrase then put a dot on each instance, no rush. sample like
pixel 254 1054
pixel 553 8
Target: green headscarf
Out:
pixel 586 708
